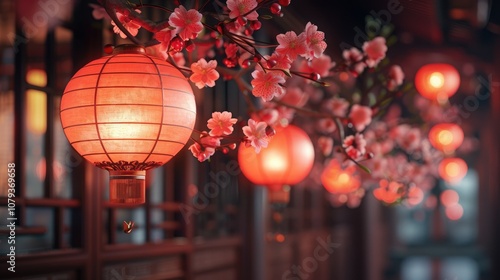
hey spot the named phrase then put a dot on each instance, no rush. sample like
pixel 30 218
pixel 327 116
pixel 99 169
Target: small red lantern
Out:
pixel 128 112
pixel 337 180
pixel 437 81
pixel 287 160
pixel 452 170
pixel 446 137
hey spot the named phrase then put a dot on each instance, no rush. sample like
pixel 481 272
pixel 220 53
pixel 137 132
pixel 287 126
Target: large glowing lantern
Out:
pixel 437 81
pixel 287 160
pixel 126 113
pixel 446 137
pixel 338 180
pixel 452 170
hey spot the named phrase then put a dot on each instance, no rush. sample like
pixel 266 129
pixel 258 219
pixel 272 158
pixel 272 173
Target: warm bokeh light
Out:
pixel 287 160
pixel 449 198
pixel 339 181
pixel 126 113
pixel 36 77
pixel 452 170
pixel 36 111
pixel 437 81
pixel 36 102
pixel 446 137
pixel 41 169
pixel 280 238
pixel 454 212
pixel 415 196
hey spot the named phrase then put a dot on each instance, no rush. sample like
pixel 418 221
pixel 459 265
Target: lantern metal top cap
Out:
pixel 129 48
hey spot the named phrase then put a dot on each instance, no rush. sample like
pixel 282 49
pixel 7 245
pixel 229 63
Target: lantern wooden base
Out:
pixel 127 187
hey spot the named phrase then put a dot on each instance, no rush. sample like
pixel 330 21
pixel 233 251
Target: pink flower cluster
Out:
pixel 268 82
pixel 373 52
pixel 220 125
pixel 343 120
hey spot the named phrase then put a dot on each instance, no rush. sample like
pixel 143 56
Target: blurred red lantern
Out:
pixel 339 181
pixel 128 112
pixel 437 81
pixel 446 137
pixel 287 160
pixel 452 170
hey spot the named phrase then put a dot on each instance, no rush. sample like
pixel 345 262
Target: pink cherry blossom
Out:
pixel 375 51
pixel 209 141
pixel 268 115
pixel 98 12
pixel 410 140
pixel 378 166
pixel 325 145
pixel 255 133
pixel 179 58
pixel 360 116
pixel 204 73
pixel 130 25
pixel 241 8
pixel 326 125
pixel 337 106
pixel 354 59
pixel 206 148
pixel 294 96
pixel 267 84
pixel 396 77
pixel 280 61
pixel 292 45
pixel 200 153
pixel 355 146
pixel 322 65
pixel 186 23
pixel 221 123
pixel 399 131
pixel 352 56
pixel 164 36
pixel 315 41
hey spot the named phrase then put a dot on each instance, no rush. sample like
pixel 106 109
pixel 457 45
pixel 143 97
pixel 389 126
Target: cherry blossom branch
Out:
pixel 340 128
pixel 111 6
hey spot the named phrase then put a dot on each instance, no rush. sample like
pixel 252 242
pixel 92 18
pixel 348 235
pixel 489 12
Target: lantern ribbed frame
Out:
pixel 128 111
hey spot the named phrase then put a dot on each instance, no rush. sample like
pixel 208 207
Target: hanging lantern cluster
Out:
pixel 447 137
pixel 128 112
